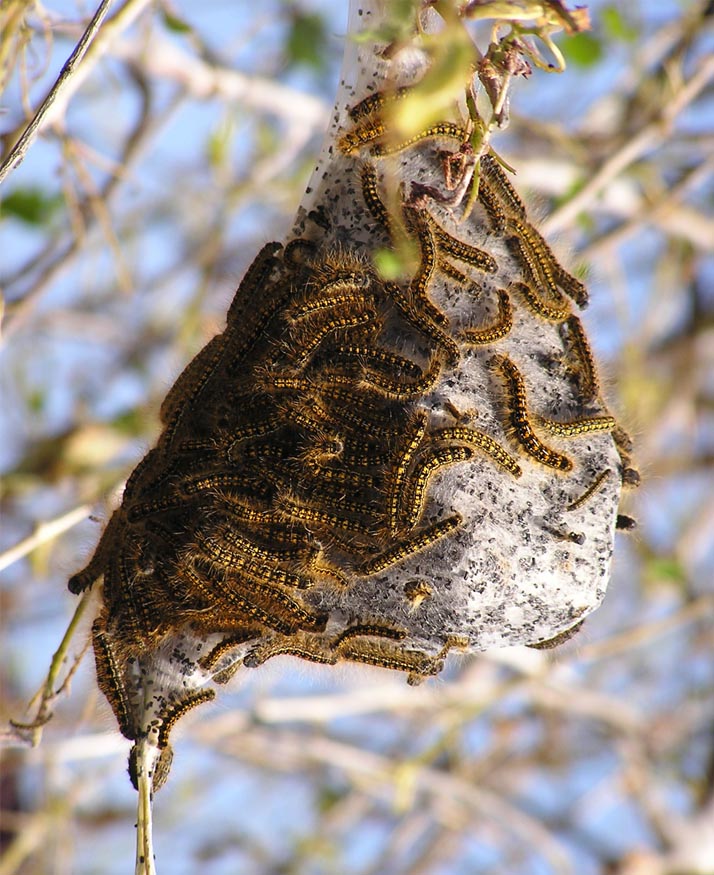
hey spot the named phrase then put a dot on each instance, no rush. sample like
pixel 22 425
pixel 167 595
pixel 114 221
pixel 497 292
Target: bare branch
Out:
pixel 44 532
pixel 60 88
pixel 648 138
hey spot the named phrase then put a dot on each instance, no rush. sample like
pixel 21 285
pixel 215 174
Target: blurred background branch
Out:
pixel 185 143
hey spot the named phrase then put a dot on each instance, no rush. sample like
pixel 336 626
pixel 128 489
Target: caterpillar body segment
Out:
pixel 177 711
pixel 231 642
pixel 377 101
pixel 577 427
pixel 479 441
pixel 499 329
pixel 412 497
pixel 398 476
pixel 550 310
pixel 410 546
pixel 302 646
pixel 596 485
pixel 463 252
pixel 519 418
pixel 499 183
pixel 110 678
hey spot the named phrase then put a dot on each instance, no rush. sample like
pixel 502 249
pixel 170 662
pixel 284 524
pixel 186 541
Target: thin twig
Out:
pixel 18 152
pixel 641 635
pixel 48 693
pixel 136 142
pixel 202 80
pixel 373 770
pixel 43 533
pixel 93 51
pixel 628 153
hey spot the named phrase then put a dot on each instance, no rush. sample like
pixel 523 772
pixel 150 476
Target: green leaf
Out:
pixel 306 42
pixel 615 26
pixel 30 205
pixel 219 144
pixel 667 569
pixel 36 401
pixel 583 49
pixel 388 264
pixel 130 422
pixel 176 24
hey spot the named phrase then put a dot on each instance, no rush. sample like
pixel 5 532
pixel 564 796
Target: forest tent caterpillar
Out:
pixel 405 390
pixel 419 285
pixel 292 508
pixel 307 335
pixel 255 277
pixel 587 373
pixel 177 711
pixel 363 630
pixel 577 427
pixel 590 491
pixel 445 129
pixel 398 476
pixel 452 272
pixel 411 504
pixel 456 248
pixel 499 329
pixel 110 680
pixel 371 197
pixel 490 203
pixel 520 421
pixel 362 135
pixel 418 664
pixel 409 546
pixel 413 314
pixel 332 301
pixel 480 441
pixel 293 645
pixel 241 609
pixel 497 178
pixel 551 311
pixel 417 591
pixel 376 101
pixel 374 357
pixel 225 645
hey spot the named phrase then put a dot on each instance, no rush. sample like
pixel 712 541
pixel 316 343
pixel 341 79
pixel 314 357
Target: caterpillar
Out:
pixel 520 422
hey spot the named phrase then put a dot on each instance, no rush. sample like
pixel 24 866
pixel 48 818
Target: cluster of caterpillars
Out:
pixel 297 450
